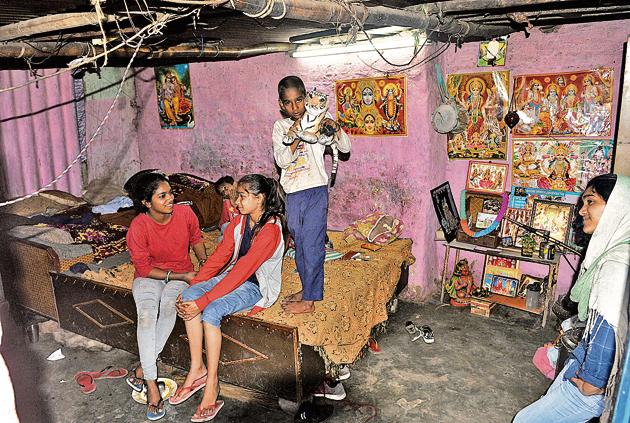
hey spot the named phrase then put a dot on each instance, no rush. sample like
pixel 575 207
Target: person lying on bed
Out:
pixel 251 252
pixel 158 239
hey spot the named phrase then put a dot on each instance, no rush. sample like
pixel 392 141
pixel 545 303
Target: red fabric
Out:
pixel 165 247
pixel 263 246
pixel 541 361
pixel 228 212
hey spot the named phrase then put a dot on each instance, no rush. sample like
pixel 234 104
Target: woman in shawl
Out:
pixel 581 390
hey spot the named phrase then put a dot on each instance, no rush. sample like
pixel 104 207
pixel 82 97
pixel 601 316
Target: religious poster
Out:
pixel 553 217
pixel 486 177
pixel 492 52
pixel 174 96
pixel 569 104
pixel 546 163
pixel 512 230
pixel 484 98
pixel 372 106
pixel 595 159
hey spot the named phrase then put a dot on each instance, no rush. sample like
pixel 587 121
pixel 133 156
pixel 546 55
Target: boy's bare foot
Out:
pixel 291 298
pixel 299 307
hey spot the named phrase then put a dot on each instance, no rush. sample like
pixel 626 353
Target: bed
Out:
pixel 272 352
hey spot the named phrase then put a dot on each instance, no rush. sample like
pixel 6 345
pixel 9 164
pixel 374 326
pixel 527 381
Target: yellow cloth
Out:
pixel 355 296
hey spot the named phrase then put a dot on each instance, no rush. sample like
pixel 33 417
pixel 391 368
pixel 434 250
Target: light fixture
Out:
pixel 404 39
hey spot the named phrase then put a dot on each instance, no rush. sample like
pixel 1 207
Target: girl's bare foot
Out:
pixel 211 393
pixel 299 307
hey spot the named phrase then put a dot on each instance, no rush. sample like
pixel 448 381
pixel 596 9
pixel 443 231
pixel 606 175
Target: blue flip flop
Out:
pixel 134 381
pixel 159 413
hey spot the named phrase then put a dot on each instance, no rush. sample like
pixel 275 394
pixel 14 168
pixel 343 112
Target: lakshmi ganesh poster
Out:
pixel 372 106
pixel 569 104
pixel 484 97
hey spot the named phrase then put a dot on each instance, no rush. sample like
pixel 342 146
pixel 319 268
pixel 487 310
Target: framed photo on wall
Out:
pixel 503 285
pixel 552 216
pixel 445 210
pixel 511 229
pixel 486 177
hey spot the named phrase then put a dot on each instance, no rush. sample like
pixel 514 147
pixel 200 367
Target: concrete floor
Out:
pixel 478 370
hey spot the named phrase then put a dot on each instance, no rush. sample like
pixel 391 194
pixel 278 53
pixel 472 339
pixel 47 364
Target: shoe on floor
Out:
pixel 313 413
pixel 336 392
pixel 344 373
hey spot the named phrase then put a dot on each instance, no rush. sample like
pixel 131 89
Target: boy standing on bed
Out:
pixel 305 181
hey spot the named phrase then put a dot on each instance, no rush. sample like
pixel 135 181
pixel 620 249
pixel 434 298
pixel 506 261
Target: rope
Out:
pixel 84 149
pixel 284 12
pixel 266 10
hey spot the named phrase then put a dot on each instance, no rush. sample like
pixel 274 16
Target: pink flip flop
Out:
pixel 85 382
pixel 185 392
pixel 213 410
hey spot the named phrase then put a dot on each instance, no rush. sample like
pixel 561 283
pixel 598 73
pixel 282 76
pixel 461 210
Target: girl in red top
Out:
pixel 251 253
pixel 158 239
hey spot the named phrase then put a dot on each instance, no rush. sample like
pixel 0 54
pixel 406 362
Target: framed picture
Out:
pixel 445 210
pixel 503 285
pixel 499 266
pixel 510 229
pixel 526 280
pixel 553 217
pixel 492 52
pixel 486 177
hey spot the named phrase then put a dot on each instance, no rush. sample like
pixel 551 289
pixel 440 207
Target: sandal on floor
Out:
pixel 86 382
pixel 413 331
pixel 208 413
pixel 134 381
pixel 159 410
pixel 427 334
pixel 183 393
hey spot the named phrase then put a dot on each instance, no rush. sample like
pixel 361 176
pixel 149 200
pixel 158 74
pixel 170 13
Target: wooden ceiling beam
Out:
pixel 49 23
pixel 333 13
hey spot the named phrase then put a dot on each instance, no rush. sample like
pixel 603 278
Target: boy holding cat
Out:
pixel 305 181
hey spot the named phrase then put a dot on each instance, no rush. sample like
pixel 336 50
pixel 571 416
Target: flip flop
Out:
pixel 109 372
pixel 413 331
pixel 136 383
pixel 86 382
pixel 183 393
pixel 214 409
pixel 427 334
pixel 159 413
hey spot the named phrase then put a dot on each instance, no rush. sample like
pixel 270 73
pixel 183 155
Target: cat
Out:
pixel 311 130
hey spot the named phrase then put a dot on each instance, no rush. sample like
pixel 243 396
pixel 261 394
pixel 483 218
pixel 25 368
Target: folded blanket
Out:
pixel 42 233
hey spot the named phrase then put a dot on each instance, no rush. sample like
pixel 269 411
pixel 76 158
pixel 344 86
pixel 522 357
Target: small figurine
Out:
pixel 528 245
pixel 461 285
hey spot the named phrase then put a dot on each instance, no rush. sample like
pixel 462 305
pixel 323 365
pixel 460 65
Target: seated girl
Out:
pixel 251 252
pixel 158 239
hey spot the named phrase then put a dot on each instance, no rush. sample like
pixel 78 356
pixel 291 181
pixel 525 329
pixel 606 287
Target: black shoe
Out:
pixel 564 308
pixel 310 412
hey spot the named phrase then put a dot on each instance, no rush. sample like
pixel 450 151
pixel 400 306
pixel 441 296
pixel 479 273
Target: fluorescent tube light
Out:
pixel 404 39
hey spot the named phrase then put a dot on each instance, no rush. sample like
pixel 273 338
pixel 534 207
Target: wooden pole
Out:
pixel 330 12
pixel 48 23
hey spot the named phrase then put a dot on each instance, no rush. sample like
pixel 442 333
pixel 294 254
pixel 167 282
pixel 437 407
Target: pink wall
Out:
pixel 570 47
pixel 38 134
pixel 235 107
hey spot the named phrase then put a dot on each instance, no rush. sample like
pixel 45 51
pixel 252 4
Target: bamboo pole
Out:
pixel 48 23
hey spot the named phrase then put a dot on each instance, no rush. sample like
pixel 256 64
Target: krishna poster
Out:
pixel 174 96
pixel 569 104
pixel 372 106
pixel 484 98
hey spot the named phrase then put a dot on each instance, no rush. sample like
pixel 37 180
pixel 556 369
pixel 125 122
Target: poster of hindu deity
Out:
pixel 174 96
pixel 570 104
pixel 484 97
pixel 372 106
pixel 546 163
pixel 595 159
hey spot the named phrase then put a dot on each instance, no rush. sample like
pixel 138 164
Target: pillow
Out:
pixel 378 228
